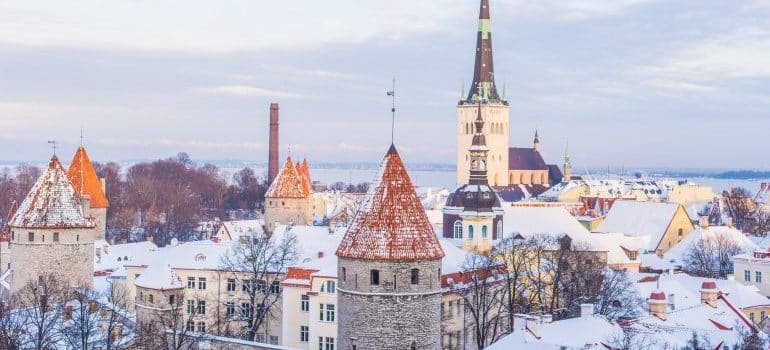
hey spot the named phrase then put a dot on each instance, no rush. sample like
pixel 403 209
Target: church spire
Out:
pixel 483 71
pixel 478 151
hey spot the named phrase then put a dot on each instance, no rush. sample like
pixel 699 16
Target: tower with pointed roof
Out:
pixel 473 214
pixel 52 233
pixel 5 239
pixel 289 199
pixel 389 269
pixel 567 164
pixel 495 110
pixel 83 177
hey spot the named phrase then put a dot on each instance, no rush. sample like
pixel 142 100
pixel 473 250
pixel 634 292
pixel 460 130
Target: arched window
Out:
pixel 470 231
pixel 484 232
pixel 415 276
pixel 458 229
pixel 499 231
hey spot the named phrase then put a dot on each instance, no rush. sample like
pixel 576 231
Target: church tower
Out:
pixel 389 288
pixel 495 110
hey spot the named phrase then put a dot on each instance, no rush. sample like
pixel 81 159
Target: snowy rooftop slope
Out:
pixel 541 220
pixel 677 253
pixel 243 227
pixel 635 218
pixel 112 257
pixel 287 184
pixel 391 223
pixel 52 202
pixel 564 334
pixel 313 242
pixel 454 258
pixel 158 276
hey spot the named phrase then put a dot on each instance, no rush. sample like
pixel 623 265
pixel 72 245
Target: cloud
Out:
pixel 250 92
pixel 568 10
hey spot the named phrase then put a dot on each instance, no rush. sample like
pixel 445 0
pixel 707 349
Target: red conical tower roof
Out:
pixel 83 177
pixel 304 173
pixel 391 223
pixel 288 183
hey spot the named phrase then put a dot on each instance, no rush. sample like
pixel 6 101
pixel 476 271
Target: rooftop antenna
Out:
pixel 392 94
pixel 53 144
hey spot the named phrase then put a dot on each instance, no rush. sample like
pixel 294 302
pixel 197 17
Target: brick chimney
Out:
pixel 272 159
pixel 709 293
pixel 658 305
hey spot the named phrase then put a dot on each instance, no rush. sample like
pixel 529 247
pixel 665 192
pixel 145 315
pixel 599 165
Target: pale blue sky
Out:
pixel 679 83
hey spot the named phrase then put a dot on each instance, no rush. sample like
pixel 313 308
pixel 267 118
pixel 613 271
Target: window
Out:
pixel 304 303
pixel 245 310
pixel 751 316
pixel 747 276
pixel 275 287
pixel 171 299
pixel 458 229
pixel 231 285
pixel 274 340
pixel 43 238
pixel 415 276
pixel 201 282
pixel 331 287
pixel 303 333
pixel 150 298
pixel 761 316
pixel 344 275
pixel 190 326
pixel 56 236
pixel 260 338
pixel 499 231
pixel 246 285
pixel 375 278
pixel 758 277
pixel 484 232
pixel 262 286
pixel 470 231
pixel 330 313
pixel 450 309
pixel 230 309
pixel 325 343
pixel 201 307
pixel 77 238
pixel 201 327
pixel 190 282
pixel 31 236
pixel 190 307
pixel 681 231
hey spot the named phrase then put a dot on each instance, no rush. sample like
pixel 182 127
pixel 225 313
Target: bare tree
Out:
pixel 259 264
pixel 618 297
pixel 170 328
pixel 482 290
pixel 711 257
pixel 514 252
pixel 41 302
pixel 115 317
pixel 630 339
pixel 750 339
pixel 13 326
pixel 80 321
pixel 741 206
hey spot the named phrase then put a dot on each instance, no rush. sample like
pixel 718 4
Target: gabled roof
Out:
pixel 52 202
pixel 288 183
pixel 159 276
pixel 83 177
pixel 391 223
pixel 635 218
pixel 520 158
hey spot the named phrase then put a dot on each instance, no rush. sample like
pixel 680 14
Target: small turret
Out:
pixel 536 142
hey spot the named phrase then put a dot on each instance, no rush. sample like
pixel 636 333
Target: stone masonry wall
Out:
pixel 297 211
pixel 70 259
pixel 388 316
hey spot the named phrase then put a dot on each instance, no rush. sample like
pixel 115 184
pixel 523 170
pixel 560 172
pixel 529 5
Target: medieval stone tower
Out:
pixel 389 269
pixel 51 233
pixel 495 111
pixel 289 199
pixel 83 177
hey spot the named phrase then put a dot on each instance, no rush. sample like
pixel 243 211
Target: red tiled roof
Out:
pixel 83 177
pixel 288 183
pixel 525 159
pixel 708 285
pixel 391 223
pixel 304 173
pixel 658 296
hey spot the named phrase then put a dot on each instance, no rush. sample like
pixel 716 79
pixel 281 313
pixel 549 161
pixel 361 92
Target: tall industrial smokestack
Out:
pixel 272 159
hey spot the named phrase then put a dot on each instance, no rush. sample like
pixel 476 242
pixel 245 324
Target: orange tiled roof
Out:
pixel 288 183
pixel 391 223
pixel 83 177
pixel 304 173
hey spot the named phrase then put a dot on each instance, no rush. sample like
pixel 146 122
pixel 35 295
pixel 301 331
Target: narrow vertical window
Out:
pixel 375 278
pixel 415 276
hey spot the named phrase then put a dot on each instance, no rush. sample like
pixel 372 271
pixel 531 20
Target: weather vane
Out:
pixel 392 94
pixel 53 144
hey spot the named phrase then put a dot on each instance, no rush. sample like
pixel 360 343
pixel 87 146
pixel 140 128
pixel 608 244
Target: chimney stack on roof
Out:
pixel 729 221
pixel 658 305
pixel 709 293
pixel 586 310
pixel 704 222
pixel 272 159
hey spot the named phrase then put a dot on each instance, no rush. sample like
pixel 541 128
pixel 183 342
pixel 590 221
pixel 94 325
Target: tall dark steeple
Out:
pixel 483 71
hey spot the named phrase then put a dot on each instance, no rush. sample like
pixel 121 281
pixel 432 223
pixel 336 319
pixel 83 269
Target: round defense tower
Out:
pixel 389 269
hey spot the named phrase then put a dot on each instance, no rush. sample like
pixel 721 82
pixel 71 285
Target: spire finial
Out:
pixel 81 136
pixel 392 94
pixel 53 145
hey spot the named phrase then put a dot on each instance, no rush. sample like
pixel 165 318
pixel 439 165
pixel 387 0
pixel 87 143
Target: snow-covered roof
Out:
pixel 678 252
pixel 569 333
pixel 391 223
pixel 541 220
pixel 158 276
pixel 635 218
pixel 238 228
pixel 52 202
pixel 287 184
pixel 112 257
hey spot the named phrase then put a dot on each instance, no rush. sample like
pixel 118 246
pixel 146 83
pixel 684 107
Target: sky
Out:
pixel 632 83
